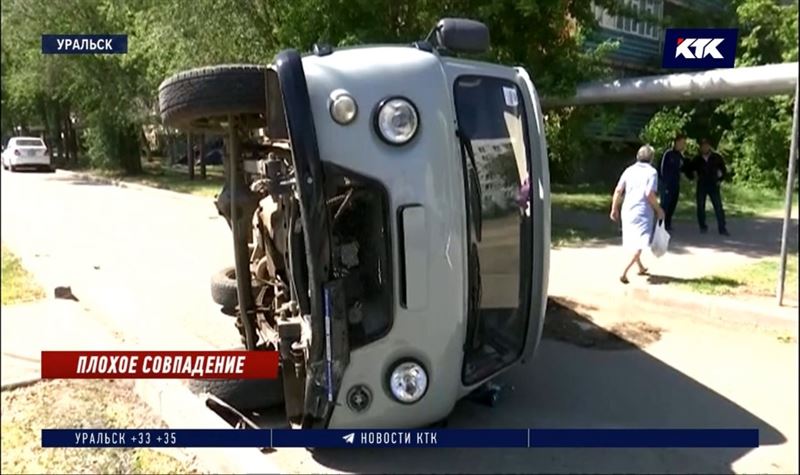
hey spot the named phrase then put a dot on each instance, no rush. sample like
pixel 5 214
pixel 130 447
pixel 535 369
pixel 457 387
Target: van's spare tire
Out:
pixel 242 394
pixel 223 288
pixel 203 98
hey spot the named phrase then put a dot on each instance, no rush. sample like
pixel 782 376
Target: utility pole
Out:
pixel 787 212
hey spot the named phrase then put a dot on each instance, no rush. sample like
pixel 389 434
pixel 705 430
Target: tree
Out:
pixel 661 130
pixel 753 134
pixel 758 137
pixel 112 96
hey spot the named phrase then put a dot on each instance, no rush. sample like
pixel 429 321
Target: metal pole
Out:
pixel 787 214
pixel 240 228
pixel 754 81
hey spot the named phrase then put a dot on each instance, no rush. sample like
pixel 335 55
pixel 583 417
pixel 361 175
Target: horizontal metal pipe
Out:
pixel 754 81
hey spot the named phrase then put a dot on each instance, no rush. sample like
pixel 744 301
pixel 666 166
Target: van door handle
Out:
pixel 413 230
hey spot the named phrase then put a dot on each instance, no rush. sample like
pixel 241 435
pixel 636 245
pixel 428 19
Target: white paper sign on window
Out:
pixel 510 95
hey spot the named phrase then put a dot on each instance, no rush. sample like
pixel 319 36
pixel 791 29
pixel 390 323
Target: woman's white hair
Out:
pixel 645 153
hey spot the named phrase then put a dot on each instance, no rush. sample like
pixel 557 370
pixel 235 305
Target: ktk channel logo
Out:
pixel 699 48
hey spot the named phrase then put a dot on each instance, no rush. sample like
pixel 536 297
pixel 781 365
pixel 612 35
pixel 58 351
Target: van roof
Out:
pixel 381 54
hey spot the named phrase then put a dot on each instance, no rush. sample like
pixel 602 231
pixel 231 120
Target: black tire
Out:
pixel 224 291
pixel 201 98
pixel 242 394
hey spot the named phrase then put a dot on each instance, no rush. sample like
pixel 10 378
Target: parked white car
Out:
pixel 26 152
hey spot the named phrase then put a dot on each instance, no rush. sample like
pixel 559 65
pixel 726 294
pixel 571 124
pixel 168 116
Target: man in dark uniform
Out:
pixel 669 176
pixel 710 169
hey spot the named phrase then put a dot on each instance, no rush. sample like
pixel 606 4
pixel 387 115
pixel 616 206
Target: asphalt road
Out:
pixel 147 256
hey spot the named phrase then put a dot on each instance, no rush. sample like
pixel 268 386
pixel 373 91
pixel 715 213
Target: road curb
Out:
pixel 19 384
pixel 133 186
pixel 638 303
pixel 724 310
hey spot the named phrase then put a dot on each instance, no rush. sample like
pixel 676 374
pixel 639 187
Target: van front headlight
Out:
pixel 408 382
pixel 396 120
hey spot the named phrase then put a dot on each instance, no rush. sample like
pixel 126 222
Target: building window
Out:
pixel 632 25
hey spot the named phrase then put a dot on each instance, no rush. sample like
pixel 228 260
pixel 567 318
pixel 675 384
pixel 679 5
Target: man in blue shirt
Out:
pixel 669 176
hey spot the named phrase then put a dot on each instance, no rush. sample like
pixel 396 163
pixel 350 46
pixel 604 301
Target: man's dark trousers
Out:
pixel 710 190
pixel 669 201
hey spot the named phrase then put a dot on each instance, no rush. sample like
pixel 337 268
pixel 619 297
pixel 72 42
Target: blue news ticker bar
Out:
pixel 95 438
pixel 375 438
pixel 401 438
pixel 644 438
pixel 84 44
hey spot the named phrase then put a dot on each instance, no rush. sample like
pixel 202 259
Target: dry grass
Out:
pixel 756 279
pixel 157 175
pixel 78 404
pixel 17 284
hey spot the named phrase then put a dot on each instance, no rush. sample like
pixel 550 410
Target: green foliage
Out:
pixel 112 96
pixel 106 91
pixel 566 141
pixel 752 134
pixel 664 125
pixel 662 128
pixel 757 141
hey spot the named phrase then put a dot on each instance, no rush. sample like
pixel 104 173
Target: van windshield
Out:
pixel 493 132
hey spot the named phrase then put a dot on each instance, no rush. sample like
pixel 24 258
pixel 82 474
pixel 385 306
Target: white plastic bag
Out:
pixel 660 241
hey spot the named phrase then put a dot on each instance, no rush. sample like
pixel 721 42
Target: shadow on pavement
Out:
pixel 77 180
pixel 571 386
pixel 753 237
pixel 27 170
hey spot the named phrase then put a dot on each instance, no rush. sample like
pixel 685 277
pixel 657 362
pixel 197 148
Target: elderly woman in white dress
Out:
pixel 638 185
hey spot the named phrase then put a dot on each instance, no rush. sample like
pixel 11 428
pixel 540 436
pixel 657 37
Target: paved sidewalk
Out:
pixel 152 252
pixel 589 272
pixel 54 325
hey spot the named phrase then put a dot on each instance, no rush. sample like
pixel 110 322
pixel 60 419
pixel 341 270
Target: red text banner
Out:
pixel 159 365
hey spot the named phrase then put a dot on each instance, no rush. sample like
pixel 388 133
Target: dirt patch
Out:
pixel 639 333
pixel 567 323
pixel 88 404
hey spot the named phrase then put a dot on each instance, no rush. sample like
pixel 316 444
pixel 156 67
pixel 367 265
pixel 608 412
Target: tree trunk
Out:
pixel 202 147
pixel 43 116
pixel 58 140
pixel 170 145
pixel 67 130
pixel 190 155
pixel 129 151
pixel 146 146
pixel 72 138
